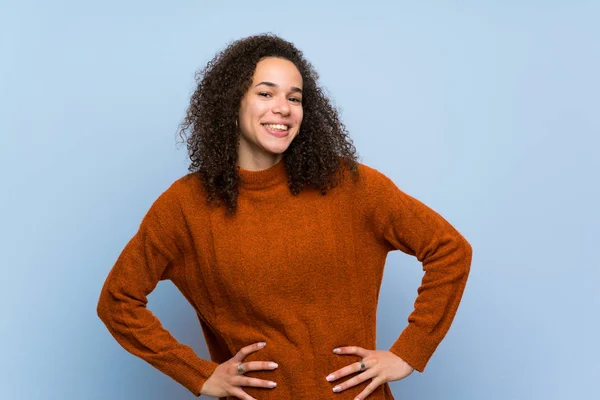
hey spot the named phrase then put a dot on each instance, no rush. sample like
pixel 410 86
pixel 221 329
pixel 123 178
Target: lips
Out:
pixel 276 125
pixel 276 132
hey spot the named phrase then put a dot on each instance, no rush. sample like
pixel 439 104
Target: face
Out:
pixel 270 113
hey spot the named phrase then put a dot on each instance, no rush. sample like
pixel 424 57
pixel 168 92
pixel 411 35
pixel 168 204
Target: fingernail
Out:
pixel 336 389
pixel 336 350
pixel 273 365
pixel 262 344
pixel 329 378
pixel 272 384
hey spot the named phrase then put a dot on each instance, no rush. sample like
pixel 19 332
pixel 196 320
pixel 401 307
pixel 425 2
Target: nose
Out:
pixel 281 106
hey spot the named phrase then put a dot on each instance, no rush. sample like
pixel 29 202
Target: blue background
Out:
pixel 487 111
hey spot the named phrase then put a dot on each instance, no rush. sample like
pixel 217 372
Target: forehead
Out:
pixel 277 70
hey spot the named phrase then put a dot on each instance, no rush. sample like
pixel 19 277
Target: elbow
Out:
pixel 467 250
pixel 100 309
pixel 467 247
pixel 103 307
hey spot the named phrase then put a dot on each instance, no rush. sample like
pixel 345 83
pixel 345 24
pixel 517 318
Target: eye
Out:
pixel 266 94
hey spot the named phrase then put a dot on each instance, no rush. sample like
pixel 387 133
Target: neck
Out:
pixel 253 163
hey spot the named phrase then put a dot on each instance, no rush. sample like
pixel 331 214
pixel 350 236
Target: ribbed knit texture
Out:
pixel 301 273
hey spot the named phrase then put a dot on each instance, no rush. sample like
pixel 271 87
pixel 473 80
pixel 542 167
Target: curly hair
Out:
pixel 318 155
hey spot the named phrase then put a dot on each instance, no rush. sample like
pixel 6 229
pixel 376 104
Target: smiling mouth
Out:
pixel 276 131
pixel 276 127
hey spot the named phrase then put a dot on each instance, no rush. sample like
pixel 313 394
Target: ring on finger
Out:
pixel 240 369
pixel 362 365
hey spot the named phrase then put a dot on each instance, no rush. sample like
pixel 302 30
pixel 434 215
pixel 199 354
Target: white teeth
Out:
pixel 277 127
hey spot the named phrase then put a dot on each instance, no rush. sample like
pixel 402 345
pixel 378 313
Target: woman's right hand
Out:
pixel 227 381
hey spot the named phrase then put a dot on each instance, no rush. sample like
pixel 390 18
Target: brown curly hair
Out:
pixel 316 157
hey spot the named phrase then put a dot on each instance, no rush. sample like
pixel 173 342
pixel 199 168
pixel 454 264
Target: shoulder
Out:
pixel 189 185
pixel 372 179
pixel 181 193
pixel 368 170
pixel 371 189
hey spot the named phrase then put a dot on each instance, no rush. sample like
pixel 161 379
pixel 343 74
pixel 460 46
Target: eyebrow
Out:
pixel 271 84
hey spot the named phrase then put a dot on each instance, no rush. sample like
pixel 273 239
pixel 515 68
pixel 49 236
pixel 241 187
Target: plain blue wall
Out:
pixel 487 111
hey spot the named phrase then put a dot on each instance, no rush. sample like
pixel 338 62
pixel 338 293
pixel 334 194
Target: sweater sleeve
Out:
pixel 154 253
pixel 406 224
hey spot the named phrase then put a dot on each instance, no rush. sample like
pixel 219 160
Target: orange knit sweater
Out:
pixel 301 273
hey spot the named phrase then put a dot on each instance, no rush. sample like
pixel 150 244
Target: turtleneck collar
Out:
pixel 273 175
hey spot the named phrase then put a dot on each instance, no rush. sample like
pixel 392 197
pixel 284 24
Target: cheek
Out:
pixel 249 111
pixel 257 109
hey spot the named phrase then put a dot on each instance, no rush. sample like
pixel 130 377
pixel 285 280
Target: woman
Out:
pixel 278 237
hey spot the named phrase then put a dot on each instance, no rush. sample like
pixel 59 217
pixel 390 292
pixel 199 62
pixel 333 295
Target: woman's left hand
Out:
pixel 381 366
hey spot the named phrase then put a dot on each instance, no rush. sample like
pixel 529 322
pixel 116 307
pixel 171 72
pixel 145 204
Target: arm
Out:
pixel 153 254
pixel 406 224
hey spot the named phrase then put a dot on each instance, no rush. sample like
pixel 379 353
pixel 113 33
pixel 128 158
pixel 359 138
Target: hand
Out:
pixel 226 380
pixel 381 366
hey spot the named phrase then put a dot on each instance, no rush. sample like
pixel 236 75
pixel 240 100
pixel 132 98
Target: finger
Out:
pixel 240 394
pixel 369 389
pixel 255 382
pixel 244 351
pixel 350 369
pixel 354 381
pixel 259 365
pixel 251 366
pixel 359 351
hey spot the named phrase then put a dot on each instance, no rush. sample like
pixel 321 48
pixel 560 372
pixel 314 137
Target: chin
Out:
pixel 276 148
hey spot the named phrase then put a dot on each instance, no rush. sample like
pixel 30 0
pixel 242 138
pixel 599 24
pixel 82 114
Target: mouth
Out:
pixel 278 130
